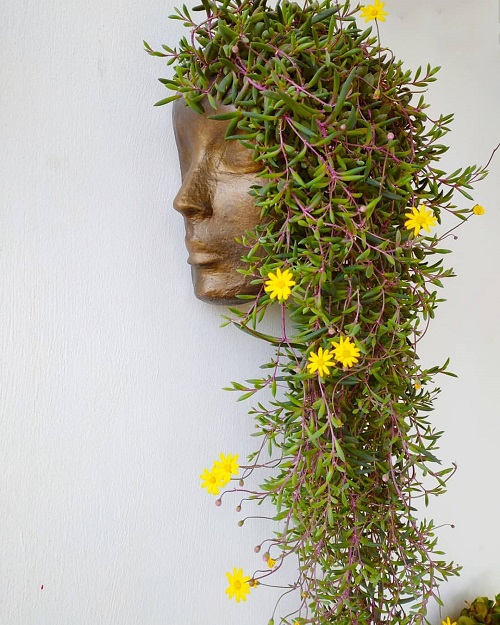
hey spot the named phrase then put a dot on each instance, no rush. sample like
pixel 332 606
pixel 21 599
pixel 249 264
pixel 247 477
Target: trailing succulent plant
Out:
pixel 350 192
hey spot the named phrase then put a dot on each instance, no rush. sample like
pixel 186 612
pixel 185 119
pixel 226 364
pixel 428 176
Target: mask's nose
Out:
pixel 194 199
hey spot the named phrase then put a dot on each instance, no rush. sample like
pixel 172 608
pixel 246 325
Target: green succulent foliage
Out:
pixel 347 149
pixel 481 610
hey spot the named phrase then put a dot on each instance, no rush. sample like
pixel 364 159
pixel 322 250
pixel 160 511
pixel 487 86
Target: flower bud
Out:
pixel 218 502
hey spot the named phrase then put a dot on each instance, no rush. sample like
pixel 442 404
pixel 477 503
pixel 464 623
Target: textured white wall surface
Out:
pixel 111 371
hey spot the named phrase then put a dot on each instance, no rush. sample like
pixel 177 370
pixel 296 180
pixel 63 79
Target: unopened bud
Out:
pixel 390 136
pixel 240 523
pixel 238 508
pixel 218 502
pixel 241 483
pixel 256 548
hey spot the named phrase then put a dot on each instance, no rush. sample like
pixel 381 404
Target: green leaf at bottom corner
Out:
pixel 465 620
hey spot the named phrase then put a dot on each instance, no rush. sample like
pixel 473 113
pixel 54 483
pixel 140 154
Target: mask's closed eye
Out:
pixel 237 159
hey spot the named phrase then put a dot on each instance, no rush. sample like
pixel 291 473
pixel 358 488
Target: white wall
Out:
pixel 111 371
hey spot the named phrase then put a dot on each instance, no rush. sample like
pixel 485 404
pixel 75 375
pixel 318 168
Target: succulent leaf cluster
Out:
pixel 347 149
pixel 481 610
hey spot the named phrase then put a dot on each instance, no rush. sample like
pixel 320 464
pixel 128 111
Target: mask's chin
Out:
pixel 221 287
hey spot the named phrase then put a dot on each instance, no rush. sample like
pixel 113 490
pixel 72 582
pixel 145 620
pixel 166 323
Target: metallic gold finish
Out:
pixel 215 203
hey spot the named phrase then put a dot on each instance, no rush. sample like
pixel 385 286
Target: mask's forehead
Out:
pixel 192 127
pixel 203 140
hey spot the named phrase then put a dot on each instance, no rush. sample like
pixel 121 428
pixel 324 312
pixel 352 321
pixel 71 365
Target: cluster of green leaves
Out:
pixel 481 610
pixel 346 149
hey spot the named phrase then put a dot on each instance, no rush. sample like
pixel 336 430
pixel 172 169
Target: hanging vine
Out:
pixel 349 245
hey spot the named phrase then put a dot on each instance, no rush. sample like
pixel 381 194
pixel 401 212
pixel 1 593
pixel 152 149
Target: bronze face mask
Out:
pixel 214 200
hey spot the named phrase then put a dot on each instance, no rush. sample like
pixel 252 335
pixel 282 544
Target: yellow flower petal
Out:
pixel 419 218
pixel 320 362
pixel 374 11
pixel 226 467
pixel 239 585
pixel 346 352
pixel 212 481
pixel 279 284
pixel 478 209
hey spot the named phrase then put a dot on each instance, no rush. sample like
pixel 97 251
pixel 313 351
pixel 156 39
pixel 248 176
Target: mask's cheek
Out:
pixel 233 206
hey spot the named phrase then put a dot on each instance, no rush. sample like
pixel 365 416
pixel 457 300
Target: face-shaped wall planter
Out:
pixel 214 200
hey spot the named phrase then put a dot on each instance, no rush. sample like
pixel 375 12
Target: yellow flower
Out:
pixel 346 352
pixel 417 386
pixel 212 481
pixel 271 562
pixel 225 467
pixel 478 209
pixel 448 622
pixel 279 284
pixel 320 362
pixel 239 585
pixel 419 218
pixel 374 11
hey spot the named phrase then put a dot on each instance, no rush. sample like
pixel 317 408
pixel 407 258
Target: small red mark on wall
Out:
pixel 41 587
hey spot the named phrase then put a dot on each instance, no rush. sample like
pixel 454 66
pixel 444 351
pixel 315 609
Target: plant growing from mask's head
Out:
pixel 351 198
